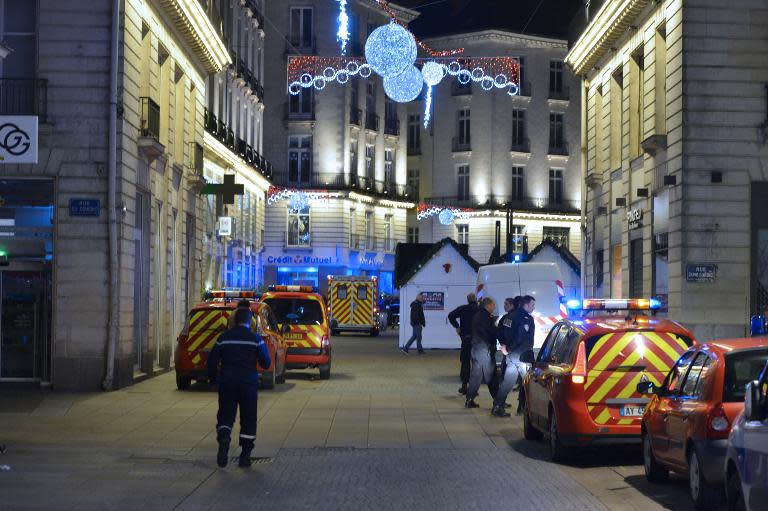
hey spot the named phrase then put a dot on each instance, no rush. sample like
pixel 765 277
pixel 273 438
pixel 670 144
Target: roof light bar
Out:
pixel 294 289
pixel 614 304
pixel 229 294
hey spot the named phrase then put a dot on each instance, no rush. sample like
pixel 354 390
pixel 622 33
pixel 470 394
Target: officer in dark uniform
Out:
pixel 517 345
pixel 238 350
pixel 483 343
pixel 464 314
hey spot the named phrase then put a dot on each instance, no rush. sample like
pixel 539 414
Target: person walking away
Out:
pixel 483 344
pixel 460 318
pixel 242 304
pixel 232 363
pixel 417 323
pixel 523 332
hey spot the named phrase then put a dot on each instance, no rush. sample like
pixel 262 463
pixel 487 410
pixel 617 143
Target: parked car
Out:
pixel 746 458
pixel 581 388
pixel 686 425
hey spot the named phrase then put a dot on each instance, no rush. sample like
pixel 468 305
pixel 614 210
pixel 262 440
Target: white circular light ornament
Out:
pixel 390 49
pixel 404 87
pixel 446 217
pixel 299 201
pixel 432 72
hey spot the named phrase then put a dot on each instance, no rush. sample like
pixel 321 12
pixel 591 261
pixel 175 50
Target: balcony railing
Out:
pixel 461 144
pixel 457 89
pixel 237 145
pixel 558 150
pixel 24 96
pixel 522 145
pixel 355 116
pixel 150 119
pixel 294 239
pixel 506 202
pixel 371 122
pixel 345 182
pixel 392 126
pixel 564 94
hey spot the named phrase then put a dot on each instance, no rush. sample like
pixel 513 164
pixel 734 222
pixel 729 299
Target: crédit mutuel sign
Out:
pixel 298 259
pixel 18 139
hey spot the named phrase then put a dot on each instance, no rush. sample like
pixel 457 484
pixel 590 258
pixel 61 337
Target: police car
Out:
pixel 208 319
pixel 582 387
pixel 301 313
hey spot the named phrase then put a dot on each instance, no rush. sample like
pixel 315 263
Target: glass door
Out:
pixel 24 347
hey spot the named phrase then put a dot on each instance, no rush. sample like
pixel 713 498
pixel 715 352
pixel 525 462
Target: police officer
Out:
pixel 238 349
pixel 521 348
pixel 464 314
pixel 483 343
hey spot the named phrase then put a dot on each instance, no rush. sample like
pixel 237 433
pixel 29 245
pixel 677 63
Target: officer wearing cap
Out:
pixel 461 319
pixel 238 350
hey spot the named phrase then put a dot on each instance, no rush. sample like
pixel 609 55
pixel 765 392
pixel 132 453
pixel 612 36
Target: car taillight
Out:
pixel 579 371
pixel 718 426
pixel 325 342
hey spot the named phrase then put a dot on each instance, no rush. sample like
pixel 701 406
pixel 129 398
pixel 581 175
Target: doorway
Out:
pixel 25 325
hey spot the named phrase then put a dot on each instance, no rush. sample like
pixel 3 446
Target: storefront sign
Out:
pixel 84 207
pixel 225 226
pixel 18 139
pixel 433 300
pixel 635 218
pixel 299 259
pixel 700 272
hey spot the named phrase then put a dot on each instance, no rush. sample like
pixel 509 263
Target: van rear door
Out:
pixel 617 362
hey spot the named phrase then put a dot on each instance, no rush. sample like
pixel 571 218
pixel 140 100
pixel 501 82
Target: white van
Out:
pixel 540 280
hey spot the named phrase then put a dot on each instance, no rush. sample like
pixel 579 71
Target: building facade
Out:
pixel 100 233
pixel 675 157
pixel 505 159
pixel 341 146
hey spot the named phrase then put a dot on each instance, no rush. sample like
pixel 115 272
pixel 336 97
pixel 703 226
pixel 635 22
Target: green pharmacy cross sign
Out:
pixel 227 190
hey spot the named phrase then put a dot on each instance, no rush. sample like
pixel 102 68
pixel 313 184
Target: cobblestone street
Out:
pixel 387 431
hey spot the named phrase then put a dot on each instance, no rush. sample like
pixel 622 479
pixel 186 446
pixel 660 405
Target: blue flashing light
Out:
pixel 654 303
pixel 297 269
pixel 573 304
pixel 517 258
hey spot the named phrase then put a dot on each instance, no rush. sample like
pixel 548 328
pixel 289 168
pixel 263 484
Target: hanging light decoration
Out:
pixel 432 72
pixel 446 216
pixel 342 35
pixel 428 108
pixel 390 49
pixel 404 87
pixel 299 201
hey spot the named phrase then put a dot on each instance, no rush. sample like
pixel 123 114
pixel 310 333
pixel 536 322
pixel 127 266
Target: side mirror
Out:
pixel 647 387
pixel 285 328
pixel 752 411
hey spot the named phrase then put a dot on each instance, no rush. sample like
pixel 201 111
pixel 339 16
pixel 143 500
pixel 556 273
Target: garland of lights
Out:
pixel 297 199
pixel 446 216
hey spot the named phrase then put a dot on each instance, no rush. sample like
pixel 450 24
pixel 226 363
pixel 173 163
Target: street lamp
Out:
pixel 5 50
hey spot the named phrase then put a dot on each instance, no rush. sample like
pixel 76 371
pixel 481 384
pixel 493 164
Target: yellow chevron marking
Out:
pixel 664 344
pixel 603 417
pixel 625 422
pixel 196 359
pixel 612 381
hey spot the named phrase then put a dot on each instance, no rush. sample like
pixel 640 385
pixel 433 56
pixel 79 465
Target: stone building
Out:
pixel 675 156
pixel 505 158
pixel 343 143
pixel 84 304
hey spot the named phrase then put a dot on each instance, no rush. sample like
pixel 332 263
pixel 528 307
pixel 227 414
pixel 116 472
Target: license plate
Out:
pixel 294 336
pixel 632 411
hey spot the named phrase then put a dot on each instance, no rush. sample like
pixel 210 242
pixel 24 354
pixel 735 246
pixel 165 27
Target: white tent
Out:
pixel 445 275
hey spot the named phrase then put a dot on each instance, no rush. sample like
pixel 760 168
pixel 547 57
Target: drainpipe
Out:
pixel 583 155
pixel 108 382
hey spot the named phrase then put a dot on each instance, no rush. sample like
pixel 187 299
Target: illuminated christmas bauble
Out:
pixel 390 49
pixel 432 73
pixel 446 217
pixel 404 87
pixel 299 201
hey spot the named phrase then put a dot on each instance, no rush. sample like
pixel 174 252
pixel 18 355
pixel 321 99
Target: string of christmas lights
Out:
pixel 445 215
pixel 298 199
pixel 343 33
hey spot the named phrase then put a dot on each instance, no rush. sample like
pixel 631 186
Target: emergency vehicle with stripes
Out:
pixel 208 319
pixel 582 387
pixel 353 304
pixel 300 310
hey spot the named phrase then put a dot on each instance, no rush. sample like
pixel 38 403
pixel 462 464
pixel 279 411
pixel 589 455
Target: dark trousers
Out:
pixel 231 395
pixel 415 337
pixel 483 371
pixel 466 359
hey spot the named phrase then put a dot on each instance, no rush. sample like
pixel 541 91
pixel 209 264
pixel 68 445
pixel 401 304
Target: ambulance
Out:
pixel 208 319
pixel 542 281
pixel 301 314
pixel 353 304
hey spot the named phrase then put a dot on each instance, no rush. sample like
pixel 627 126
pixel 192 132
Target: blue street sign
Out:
pixel 700 272
pixel 84 207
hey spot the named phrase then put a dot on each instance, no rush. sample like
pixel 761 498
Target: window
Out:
pixel 518 185
pixel 307 312
pixel 519 241
pixel 696 376
pixel 462 234
pixel 341 292
pixel 299 158
pixel 556 76
pixel 362 292
pixel 660 85
pixel 555 186
pixel 524 88
pixel 389 167
pixel 354 95
pixel 353 157
pixel 301 27
pixel 636 103
pixel 546 348
pixel 413 235
pixel 556 134
pixel 390 109
pixel 464 128
pixel 370 97
pixel 616 116
pixel 677 374
pixel 413 182
pixel 370 241
pixel 519 142
pixel 561 350
pixel 414 134
pixel 18 25
pixel 370 162
pixel 636 267
pixel 370 28
pixel 298 228
pixel 557 235
pixel 388 233
pixel 740 369
pixel 353 228
pixel 300 105
pixel 462 192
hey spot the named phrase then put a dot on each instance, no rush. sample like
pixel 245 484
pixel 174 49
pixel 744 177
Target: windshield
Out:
pixel 307 312
pixel 741 368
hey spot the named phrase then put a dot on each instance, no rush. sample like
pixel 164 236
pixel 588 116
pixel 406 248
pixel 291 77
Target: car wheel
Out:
pixel 183 382
pixel 557 451
pixel 733 492
pixel 325 371
pixel 268 380
pixel 704 495
pixel 655 472
pixel 530 432
pixel 281 377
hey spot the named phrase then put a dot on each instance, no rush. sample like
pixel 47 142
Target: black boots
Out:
pixel 499 411
pixel 463 389
pixel 470 403
pixel 245 458
pixel 223 454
